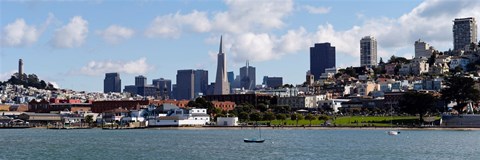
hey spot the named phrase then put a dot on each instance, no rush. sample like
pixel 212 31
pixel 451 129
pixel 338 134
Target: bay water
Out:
pixel 201 143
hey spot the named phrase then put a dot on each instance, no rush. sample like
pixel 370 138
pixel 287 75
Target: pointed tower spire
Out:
pixel 221 45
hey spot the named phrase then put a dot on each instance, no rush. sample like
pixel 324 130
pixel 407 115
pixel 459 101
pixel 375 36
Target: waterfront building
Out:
pixel 422 49
pixel 227 121
pixel 322 56
pixel 368 51
pixel 274 82
pixel 464 32
pixel 221 83
pixel 112 83
pixel 181 117
pixel 247 77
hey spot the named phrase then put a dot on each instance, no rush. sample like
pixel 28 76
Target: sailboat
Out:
pixel 392 132
pixel 255 140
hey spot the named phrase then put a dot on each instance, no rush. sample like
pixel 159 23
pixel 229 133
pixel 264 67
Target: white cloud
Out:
pixel 71 35
pixel 241 17
pixel 317 10
pixel 248 16
pixel 253 46
pixel 172 25
pixel 114 34
pixel 95 68
pixel 19 34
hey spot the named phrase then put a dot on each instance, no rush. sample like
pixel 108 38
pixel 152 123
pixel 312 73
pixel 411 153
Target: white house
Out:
pixel 227 121
pixel 181 117
pixel 301 101
pixel 332 104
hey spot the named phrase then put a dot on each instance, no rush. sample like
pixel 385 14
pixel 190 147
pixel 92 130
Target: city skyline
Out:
pixel 72 45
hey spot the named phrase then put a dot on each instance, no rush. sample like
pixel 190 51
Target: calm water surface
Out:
pixel 228 144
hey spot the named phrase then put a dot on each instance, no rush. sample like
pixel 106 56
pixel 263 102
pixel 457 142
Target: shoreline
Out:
pixel 283 128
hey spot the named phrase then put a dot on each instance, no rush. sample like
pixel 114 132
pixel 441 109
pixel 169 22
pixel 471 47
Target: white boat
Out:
pixel 393 133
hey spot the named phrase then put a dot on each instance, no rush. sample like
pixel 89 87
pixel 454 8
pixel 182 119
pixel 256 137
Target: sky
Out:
pixel 72 44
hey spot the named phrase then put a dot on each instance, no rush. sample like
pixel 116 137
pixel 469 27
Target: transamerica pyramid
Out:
pixel 221 82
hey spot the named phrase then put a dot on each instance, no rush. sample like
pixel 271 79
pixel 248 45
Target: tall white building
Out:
pixel 464 32
pixel 368 51
pixel 422 49
pixel 221 81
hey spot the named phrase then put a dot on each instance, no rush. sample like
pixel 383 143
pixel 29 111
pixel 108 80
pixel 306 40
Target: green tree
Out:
pixel 381 62
pixel 192 104
pixel 255 116
pixel 89 120
pixel 262 107
pixel 281 117
pixel 243 116
pixel 461 90
pixel 418 103
pixel 297 117
pixel 323 117
pixel 310 117
pixel 268 116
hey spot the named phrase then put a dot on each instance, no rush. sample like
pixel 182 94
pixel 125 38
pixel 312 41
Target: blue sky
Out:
pixel 73 44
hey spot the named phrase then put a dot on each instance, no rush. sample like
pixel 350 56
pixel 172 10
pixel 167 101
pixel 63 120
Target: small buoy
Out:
pixel 272 142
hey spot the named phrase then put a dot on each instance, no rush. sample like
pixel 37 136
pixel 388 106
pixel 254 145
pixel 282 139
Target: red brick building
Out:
pixel 225 106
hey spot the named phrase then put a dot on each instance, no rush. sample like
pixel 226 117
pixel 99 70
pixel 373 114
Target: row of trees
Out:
pixel 459 89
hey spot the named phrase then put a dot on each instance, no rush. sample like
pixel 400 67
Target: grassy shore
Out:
pixel 351 121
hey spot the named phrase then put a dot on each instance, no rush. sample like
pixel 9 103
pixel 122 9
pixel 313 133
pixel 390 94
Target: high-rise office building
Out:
pixel 201 83
pixel 112 83
pixel 164 87
pixel 221 83
pixel 274 82
pixel 185 84
pixel 247 77
pixel 464 32
pixel 141 88
pixel 368 51
pixel 140 80
pixel 322 56
pixel 231 79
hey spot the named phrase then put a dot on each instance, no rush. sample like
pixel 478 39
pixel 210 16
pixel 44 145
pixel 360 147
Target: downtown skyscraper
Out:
pixel 221 82
pixel 322 56
pixel 112 83
pixel 247 77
